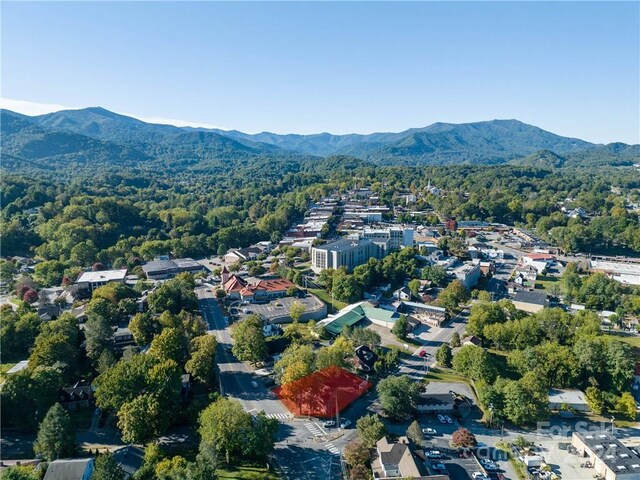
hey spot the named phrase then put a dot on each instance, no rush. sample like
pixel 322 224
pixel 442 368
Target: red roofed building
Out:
pixel 237 287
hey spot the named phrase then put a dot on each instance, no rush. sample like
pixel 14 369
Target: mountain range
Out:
pixel 96 135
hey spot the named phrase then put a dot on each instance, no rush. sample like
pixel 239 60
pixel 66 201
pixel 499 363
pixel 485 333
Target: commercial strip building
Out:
pixel 385 317
pixel 423 313
pixel 93 280
pixel 562 398
pixel 163 268
pixel 357 312
pixel 610 459
pixel 627 273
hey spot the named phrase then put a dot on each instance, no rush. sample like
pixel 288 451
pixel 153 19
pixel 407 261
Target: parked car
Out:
pixel 434 454
pixel 448 419
pixel 254 384
pixel 329 423
pixel 441 418
pixel 429 431
pixel 479 476
pixel 345 423
pixel 439 466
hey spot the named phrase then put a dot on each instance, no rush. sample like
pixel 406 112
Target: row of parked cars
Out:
pixel 344 423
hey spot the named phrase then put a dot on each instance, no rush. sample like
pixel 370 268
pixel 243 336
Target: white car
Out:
pixel 442 419
pixel 429 431
pixel 448 419
pixel 329 423
pixel 434 454
pixel 479 476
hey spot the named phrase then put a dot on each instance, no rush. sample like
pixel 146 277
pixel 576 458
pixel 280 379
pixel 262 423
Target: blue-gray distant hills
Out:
pixel 98 135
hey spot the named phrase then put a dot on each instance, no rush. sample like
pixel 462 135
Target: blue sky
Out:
pixel 569 67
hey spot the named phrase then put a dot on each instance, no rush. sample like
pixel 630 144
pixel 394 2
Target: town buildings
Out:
pixel 92 280
pixel 530 301
pixel 399 460
pixel 346 252
pixel 354 250
pixel 468 274
pixel 163 268
pixel 610 459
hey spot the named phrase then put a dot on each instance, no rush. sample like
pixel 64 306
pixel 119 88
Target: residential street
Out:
pixel 304 449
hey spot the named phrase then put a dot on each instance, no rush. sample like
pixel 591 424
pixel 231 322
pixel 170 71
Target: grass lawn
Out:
pixel 632 340
pixel 326 298
pixel 246 472
pixel 545 282
pixel 437 374
pixel 4 368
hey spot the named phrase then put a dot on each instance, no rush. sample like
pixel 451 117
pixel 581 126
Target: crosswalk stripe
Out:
pixel 282 416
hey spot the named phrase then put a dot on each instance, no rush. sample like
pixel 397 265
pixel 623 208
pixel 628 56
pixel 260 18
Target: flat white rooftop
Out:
pixel 102 276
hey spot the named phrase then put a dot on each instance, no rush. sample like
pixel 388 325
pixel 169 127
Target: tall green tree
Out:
pixel 401 328
pixel 444 356
pixel 225 426
pixel 475 363
pixel 250 344
pixel 370 429
pixel 202 362
pixel 56 438
pixel 141 419
pixel 106 468
pixel 398 396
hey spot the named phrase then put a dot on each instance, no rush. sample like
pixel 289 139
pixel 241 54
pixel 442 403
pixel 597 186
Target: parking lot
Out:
pixel 276 310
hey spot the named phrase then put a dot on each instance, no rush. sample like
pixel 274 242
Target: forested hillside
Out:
pixel 73 136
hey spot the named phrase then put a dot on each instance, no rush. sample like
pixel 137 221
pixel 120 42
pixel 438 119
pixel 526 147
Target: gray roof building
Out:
pixel 70 469
pixel 163 268
pixel 610 458
pixel 129 458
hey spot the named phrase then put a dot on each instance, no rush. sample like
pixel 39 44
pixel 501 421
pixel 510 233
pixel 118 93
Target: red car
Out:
pixel 422 353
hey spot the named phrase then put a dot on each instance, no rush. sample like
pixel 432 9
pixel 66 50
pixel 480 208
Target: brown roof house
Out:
pixel 397 460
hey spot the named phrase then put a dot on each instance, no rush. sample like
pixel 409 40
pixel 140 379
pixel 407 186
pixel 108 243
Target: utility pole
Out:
pixel 613 419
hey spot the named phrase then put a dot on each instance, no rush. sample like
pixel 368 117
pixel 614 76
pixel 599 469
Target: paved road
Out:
pixel 304 449
pixel 431 338
pixel 236 377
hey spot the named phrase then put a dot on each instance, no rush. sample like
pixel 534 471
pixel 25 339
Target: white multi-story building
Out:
pixel 394 237
pixel 346 252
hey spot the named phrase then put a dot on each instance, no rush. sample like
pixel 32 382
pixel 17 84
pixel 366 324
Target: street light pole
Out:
pixel 613 419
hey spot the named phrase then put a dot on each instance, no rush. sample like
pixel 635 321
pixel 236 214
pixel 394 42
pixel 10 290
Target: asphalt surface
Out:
pixel 304 449
pixel 430 339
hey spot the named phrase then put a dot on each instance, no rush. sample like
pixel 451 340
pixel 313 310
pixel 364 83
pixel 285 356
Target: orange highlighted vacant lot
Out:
pixel 322 393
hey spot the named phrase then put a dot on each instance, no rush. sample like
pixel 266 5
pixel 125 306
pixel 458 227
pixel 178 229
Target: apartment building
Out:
pixel 346 252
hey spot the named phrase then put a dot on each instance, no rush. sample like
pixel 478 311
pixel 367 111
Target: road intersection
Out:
pixel 304 449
